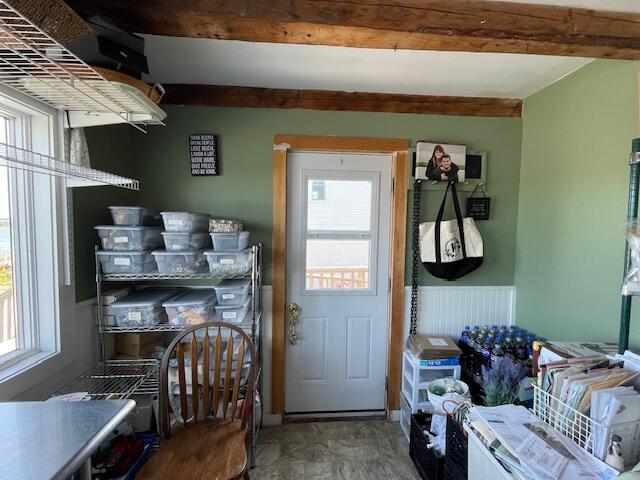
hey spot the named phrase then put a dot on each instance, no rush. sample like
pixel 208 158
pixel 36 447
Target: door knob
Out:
pixel 293 310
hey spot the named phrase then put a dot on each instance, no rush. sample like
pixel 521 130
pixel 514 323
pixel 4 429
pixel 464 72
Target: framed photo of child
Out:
pixel 440 162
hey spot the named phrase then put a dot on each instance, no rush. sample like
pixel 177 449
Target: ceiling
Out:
pixel 317 67
pixel 631 6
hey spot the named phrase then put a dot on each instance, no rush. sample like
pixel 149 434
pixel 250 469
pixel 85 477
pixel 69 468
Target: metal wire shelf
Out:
pixel 35 64
pixel 118 277
pixel 77 176
pixel 115 379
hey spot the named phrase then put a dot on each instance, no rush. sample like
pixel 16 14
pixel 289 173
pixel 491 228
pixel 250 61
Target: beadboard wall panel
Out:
pixel 446 310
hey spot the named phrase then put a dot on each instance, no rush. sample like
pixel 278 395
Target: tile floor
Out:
pixel 336 450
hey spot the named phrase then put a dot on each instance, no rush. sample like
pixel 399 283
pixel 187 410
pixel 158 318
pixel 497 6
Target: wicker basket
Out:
pixel 55 18
pixel 153 92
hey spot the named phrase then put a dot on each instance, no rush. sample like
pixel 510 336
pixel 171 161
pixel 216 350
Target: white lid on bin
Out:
pixel 130 207
pixel 196 296
pixel 233 283
pixel 127 253
pixel 186 213
pixel 126 227
pixel 149 297
pixel 215 253
pixel 244 233
pixel 240 306
pixel 178 234
pixel 186 252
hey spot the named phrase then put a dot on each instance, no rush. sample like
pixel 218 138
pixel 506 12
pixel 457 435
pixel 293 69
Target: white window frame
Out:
pixel 370 235
pixel 40 244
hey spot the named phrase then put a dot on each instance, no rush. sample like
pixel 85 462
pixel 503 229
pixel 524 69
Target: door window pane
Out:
pixel 8 337
pixel 337 264
pixel 346 205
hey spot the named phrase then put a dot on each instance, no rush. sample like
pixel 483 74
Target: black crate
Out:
pixel 455 463
pixel 429 465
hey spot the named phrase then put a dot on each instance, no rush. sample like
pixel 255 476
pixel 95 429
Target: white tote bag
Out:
pixel 452 248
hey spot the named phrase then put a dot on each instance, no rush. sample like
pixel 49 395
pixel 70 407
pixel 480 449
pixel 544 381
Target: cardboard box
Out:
pixel 427 347
pixel 138 345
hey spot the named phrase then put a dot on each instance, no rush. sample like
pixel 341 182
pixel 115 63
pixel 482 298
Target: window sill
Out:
pixel 24 365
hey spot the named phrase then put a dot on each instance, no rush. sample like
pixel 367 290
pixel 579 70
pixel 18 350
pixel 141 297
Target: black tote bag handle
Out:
pixel 456 207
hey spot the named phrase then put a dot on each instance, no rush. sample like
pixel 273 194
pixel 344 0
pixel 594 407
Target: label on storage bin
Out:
pixel 437 342
pixel 230 315
pixel 122 261
pixel 175 222
pixel 228 296
pixel 134 316
pixel 121 239
pixel 227 261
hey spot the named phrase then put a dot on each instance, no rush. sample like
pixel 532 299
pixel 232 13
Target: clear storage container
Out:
pixel 126 262
pixel 191 308
pixel 229 263
pixel 187 263
pixel 233 291
pixel 135 216
pixel 185 221
pixel 143 308
pixel 123 238
pixel 223 225
pixel 233 313
pixel 230 242
pixel 185 241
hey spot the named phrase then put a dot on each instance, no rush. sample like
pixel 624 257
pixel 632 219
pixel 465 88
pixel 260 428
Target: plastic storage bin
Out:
pixel 229 263
pixel 185 221
pixel 233 291
pixel 233 313
pixel 185 241
pixel 230 242
pixel 123 238
pixel 126 262
pixel 135 216
pixel 223 225
pixel 191 308
pixel 143 308
pixel 187 263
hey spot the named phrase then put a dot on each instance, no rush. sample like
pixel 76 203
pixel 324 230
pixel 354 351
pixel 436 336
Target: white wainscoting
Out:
pixel 446 310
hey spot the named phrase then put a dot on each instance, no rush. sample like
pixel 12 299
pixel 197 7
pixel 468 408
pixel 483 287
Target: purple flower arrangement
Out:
pixel 501 382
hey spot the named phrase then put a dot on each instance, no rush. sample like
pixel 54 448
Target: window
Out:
pixel 317 191
pixel 339 235
pixel 29 246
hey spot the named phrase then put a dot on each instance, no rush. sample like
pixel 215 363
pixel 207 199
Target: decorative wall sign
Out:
pixel 203 152
pixel 478 207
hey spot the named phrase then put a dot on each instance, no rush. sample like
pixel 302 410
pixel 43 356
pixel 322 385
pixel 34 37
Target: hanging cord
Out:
pixel 415 266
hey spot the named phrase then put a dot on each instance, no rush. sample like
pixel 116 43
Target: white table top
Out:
pixel 51 440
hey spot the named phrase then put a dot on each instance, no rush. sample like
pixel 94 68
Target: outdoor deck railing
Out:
pixel 337 278
pixel 7 323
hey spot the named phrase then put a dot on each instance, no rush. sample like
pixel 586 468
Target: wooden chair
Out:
pixel 210 443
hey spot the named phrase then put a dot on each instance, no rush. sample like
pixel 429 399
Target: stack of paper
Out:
pixel 525 444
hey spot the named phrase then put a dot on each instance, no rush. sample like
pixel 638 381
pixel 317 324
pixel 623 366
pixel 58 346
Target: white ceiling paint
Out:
pixel 318 67
pixel 631 6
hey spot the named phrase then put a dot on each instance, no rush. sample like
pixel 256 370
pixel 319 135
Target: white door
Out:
pixel 338 240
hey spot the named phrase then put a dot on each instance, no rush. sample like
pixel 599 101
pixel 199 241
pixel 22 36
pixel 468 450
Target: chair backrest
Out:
pixel 217 349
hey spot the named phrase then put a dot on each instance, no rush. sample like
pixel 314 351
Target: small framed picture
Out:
pixel 440 162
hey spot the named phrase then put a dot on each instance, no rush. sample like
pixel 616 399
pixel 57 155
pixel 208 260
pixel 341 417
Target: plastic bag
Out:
pixel 631 283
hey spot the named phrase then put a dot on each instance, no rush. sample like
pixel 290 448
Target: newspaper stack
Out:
pixel 531 449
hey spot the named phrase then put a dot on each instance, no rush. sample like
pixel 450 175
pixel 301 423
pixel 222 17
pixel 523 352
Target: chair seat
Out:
pixel 206 450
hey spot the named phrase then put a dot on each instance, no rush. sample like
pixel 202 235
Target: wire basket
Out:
pixel 587 433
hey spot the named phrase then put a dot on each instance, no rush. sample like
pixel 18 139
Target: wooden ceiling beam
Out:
pixel 449 25
pixel 224 96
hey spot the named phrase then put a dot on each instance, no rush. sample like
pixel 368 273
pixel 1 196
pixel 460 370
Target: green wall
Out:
pixel 109 150
pixel 573 195
pixel 244 189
